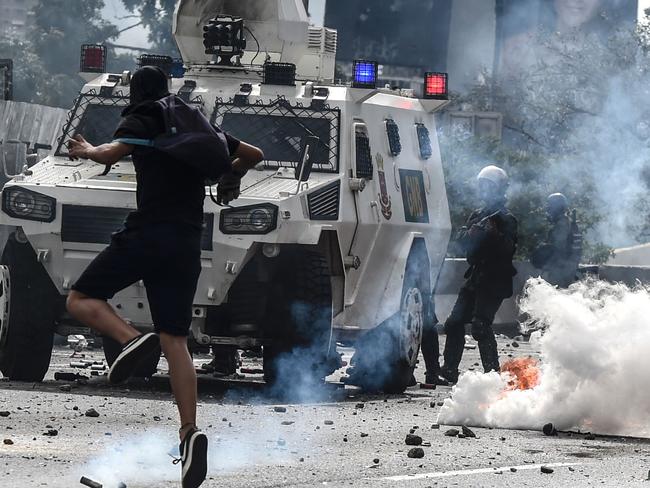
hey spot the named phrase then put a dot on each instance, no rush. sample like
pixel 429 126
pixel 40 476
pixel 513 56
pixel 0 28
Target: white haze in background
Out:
pixel 595 367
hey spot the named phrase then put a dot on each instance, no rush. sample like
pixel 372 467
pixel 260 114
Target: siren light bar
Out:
pixel 93 58
pixel 365 74
pixel 436 86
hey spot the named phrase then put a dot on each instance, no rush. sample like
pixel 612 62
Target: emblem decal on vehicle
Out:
pixel 414 196
pixel 384 197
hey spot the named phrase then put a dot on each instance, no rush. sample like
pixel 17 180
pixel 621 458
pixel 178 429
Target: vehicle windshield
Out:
pixel 279 132
pixel 95 118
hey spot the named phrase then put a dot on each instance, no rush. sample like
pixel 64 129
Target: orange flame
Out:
pixel 524 371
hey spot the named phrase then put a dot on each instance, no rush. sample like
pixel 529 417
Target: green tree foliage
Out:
pixel 46 64
pixel 156 16
pixel 578 125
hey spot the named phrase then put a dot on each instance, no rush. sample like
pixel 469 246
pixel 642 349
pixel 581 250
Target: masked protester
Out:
pixel 489 241
pixel 161 245
pixel 560 255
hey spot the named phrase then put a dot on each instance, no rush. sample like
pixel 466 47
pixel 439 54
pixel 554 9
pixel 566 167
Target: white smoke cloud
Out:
pixel 595 366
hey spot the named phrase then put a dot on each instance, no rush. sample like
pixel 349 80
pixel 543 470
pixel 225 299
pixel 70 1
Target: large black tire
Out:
pixel 299 321
pixel 146 369
pixel 386 356
pixel 35 306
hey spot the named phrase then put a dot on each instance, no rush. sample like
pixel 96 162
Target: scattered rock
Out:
pixel 468 432
pixel 287 422
pixel 91 412
pixel 280 409
pixel 156 418
pixel 329 422
pixel 363 434
pixel 435 426
pixel 345 439
pixel 513 470
pixel 376 460
pixel 502 439
pixel 51 433
pixel 360 405
pixel 5 414
pixel 8 442
pixel 461 436
pixel 590 437
pixel 440 404
pixel 549 429
pixel 302 460
pixel 515 344
pixel 452 432
pixel 546 470
pixel 416 453
pixel 432 404
pixel 413 440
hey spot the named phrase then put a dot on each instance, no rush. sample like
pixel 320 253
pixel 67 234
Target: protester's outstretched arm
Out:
pixel 107 154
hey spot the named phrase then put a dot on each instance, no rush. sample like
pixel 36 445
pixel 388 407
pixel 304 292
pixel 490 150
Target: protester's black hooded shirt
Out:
pixel 167 190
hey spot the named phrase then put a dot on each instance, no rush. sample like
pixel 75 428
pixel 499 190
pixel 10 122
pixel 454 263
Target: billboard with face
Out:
pixel 539 32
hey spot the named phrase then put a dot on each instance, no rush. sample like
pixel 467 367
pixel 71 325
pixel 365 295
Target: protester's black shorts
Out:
pixel 166 256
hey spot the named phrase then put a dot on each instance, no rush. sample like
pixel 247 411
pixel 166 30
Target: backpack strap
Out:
pixel 135 142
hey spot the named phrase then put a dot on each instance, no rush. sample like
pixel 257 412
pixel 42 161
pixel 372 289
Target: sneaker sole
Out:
pixel 130 357
pixel 195 468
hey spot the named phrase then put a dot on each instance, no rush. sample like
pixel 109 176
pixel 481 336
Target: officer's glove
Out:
pixel 229 187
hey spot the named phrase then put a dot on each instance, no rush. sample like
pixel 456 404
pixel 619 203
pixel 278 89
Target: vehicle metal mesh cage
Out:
pixel 278 128
pixel 95 117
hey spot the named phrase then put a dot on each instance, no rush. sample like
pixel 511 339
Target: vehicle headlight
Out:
pixel 21 203
pixel 254 219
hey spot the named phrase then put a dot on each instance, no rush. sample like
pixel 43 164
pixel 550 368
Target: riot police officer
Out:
pixel 559 256
pixel 489 241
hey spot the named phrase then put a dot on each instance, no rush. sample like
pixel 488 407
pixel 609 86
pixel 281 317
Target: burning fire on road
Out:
pixel 594 368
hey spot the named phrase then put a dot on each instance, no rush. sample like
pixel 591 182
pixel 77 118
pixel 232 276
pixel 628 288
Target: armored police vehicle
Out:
pixel 338 234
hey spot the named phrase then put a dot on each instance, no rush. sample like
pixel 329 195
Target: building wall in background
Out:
pixel 14 15
pixel 405 33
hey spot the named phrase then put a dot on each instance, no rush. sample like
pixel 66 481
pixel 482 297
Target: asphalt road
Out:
pixel 345 438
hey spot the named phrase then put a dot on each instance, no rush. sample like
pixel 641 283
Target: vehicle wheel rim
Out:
pixel 411 325
pixel 4 304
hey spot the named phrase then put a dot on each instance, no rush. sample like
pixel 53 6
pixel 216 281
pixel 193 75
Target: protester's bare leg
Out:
pixel 99 316
pixel 183 378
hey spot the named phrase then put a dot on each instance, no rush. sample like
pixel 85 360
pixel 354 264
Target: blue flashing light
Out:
pixel 365 74
pixel 177 70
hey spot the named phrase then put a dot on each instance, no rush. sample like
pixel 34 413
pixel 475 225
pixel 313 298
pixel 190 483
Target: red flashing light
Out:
pixel 435 86
pixel 93 58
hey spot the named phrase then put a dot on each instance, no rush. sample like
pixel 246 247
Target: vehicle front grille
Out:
pixel 95 225
pixel 324 203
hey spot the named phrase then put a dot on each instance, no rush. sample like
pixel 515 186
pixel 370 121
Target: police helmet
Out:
pixel 496 175
pixel 557 204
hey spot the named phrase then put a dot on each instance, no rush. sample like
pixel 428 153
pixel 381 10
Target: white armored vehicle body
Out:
pixel 339 231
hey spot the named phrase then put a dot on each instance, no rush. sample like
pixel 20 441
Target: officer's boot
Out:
pixel 454 346
pixel 431 354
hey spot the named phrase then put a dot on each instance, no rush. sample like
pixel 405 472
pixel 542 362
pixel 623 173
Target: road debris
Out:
pixel 546 470
pixel 91 412
pixel 549 429
pixel 452 433
pixel 413 440
pixel 416 453
pixel 467 432
pixel 5 413
pixel 280 409
pixel 90 483
pixel 8 442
